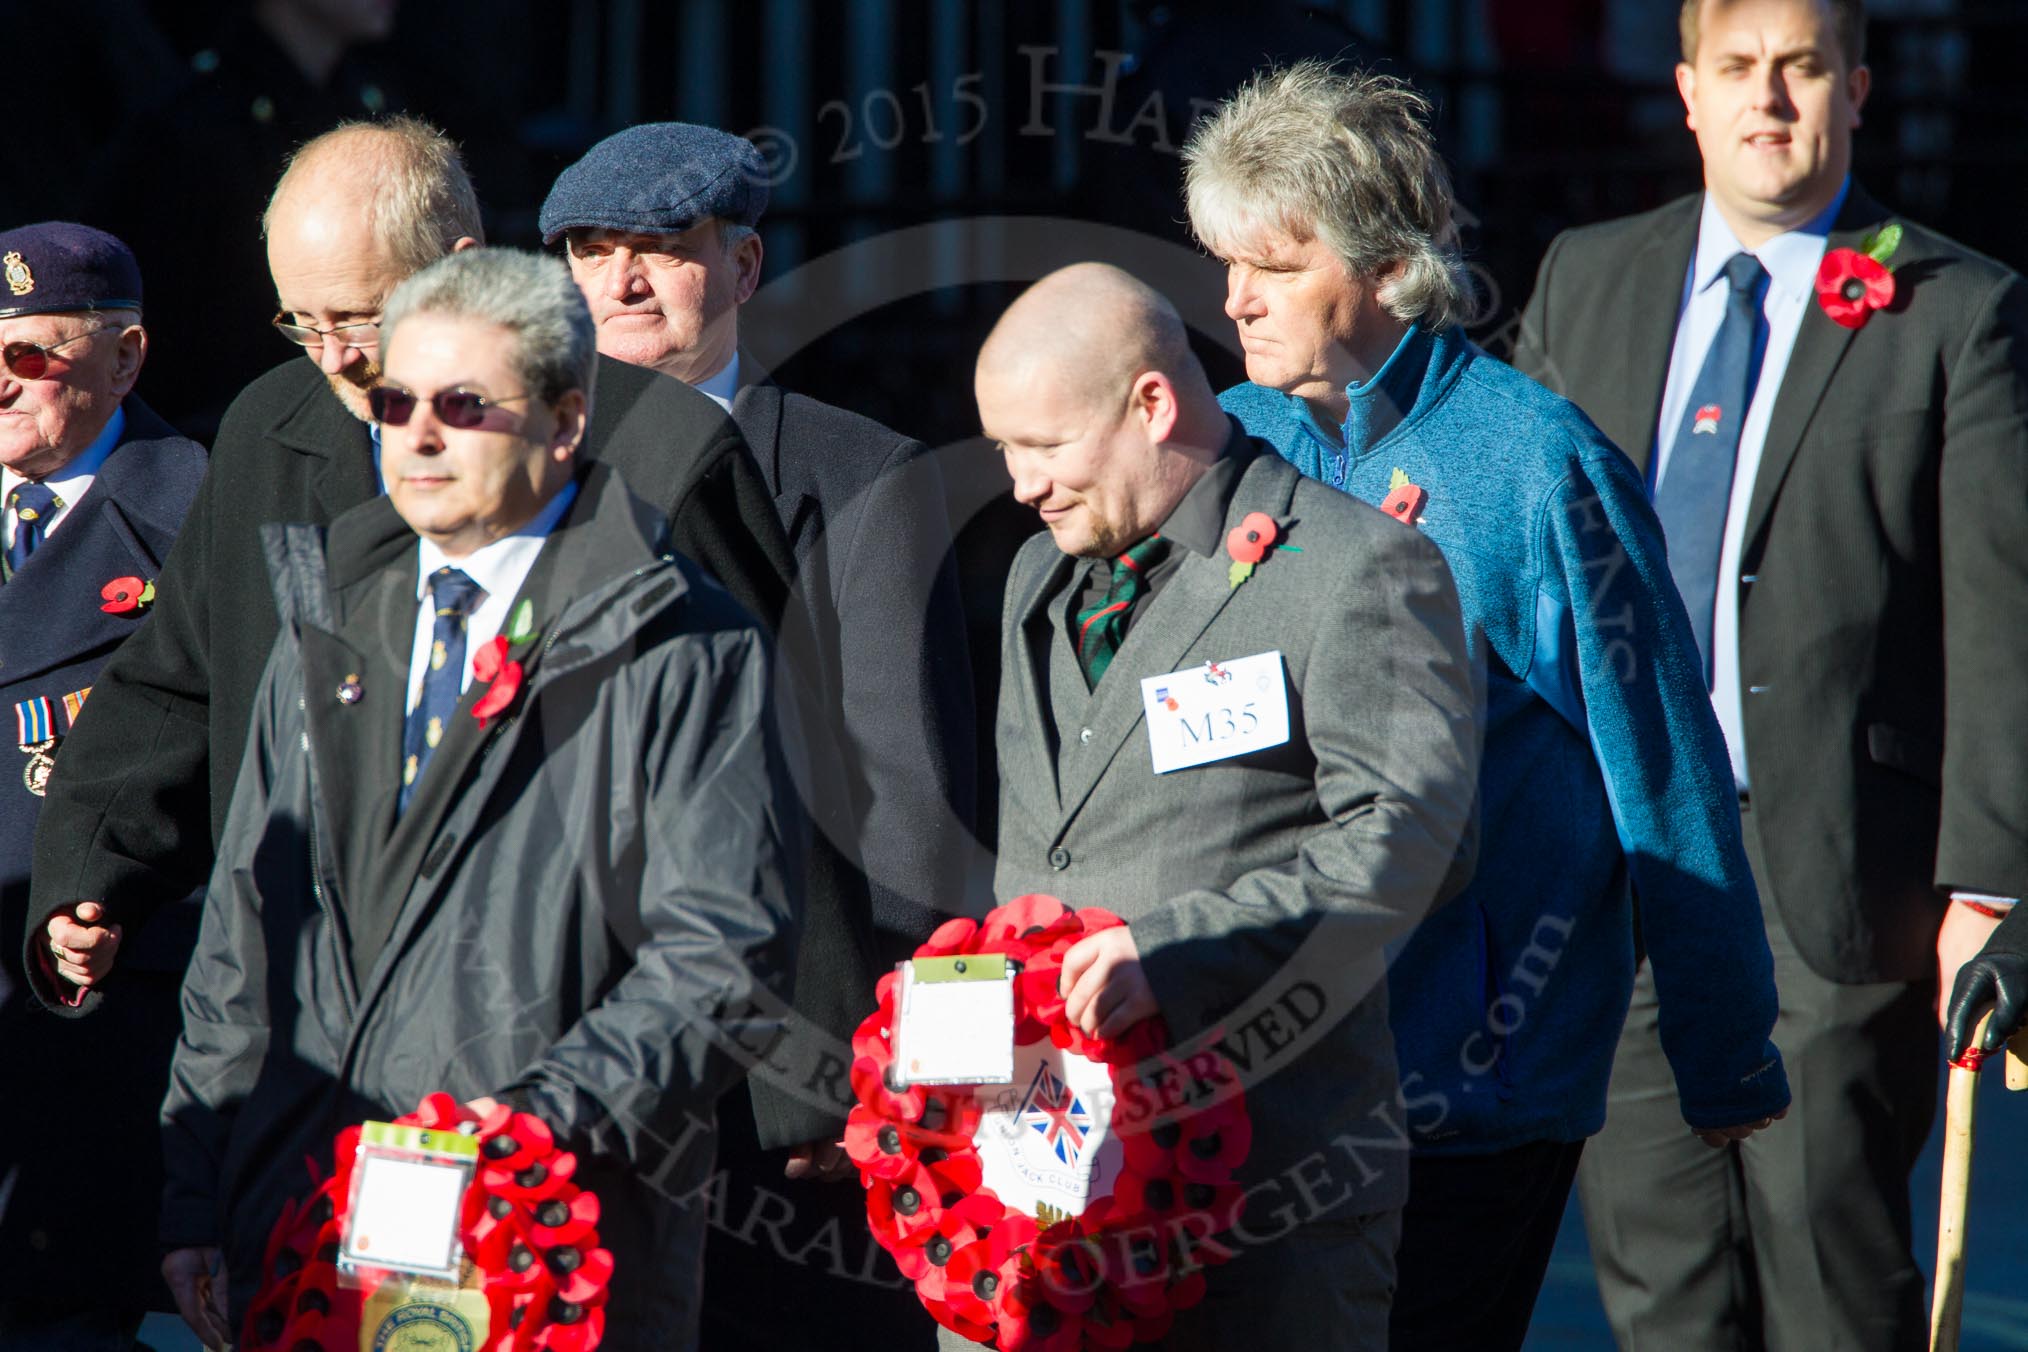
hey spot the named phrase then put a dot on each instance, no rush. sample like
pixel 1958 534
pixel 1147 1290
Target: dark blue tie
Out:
pixel 32 504
pixel 453 594
pixel 1696 489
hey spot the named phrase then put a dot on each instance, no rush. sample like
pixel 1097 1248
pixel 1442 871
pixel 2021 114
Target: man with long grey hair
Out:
pixel 560 880
pixel 1603 770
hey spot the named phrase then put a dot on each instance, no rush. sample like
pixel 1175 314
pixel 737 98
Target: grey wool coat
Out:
pixel 1262 890
pixel 587 908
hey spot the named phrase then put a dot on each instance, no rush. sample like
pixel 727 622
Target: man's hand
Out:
pixel 1105 992
pixel 81 945
pixel 819 1161
pixel 1998 976
pixel 1724 1136
pixel 1963 934
pixel 196 1279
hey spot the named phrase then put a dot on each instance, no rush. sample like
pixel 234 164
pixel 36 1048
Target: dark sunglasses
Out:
pixel 393 406
pixel 31 361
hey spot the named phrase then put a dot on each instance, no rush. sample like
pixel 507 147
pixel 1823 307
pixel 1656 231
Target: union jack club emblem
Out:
pixel 1707 419
pixel 1054 1111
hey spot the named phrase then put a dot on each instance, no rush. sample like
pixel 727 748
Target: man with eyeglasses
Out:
pixel 133 823
pixel 93 487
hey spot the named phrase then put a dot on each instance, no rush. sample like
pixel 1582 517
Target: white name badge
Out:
pixel 1215 711
pixel 954 1021
pixel 408 1189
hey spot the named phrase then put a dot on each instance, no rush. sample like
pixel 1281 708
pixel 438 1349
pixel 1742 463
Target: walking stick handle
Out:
pixel 1946 1311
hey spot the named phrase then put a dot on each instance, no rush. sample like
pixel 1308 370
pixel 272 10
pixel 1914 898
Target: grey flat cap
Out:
pixel 659 178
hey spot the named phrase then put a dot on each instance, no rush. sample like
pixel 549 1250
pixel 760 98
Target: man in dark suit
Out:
pixel 1275 837
pixel 95 487
pixel 1841 482
pixel 126 831
pixel 658 225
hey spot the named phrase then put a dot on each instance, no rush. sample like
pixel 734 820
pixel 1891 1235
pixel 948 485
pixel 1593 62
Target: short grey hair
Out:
pixel 530 295
pixel 423 201
pixel 1342 157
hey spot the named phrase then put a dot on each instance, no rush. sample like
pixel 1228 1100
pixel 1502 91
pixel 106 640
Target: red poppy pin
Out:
pixel 127 596
pixel 501 676
pixel 1249 542
pixel 1404 501
pixel 1853 283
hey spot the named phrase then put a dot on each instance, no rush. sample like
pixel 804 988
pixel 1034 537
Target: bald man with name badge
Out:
pixel 1328 809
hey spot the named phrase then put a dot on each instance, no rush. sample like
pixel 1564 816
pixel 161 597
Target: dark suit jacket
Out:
pixel 863 507
pixel 135 817
pixel 54 638
pixel 1883 625
pixel 1277 876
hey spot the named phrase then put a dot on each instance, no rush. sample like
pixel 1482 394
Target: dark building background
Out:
pixel 946 146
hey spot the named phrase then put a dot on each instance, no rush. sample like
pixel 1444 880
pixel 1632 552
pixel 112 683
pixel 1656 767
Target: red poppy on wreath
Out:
pixel 529 1233
pixel 502 675
pixel 983 1264
pixel 1850 286
pixel 127 596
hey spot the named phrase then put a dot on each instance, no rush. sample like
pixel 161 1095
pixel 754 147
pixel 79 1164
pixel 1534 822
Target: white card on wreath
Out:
pixel 1215 711
pixel 1047 1139
pixel 955 1020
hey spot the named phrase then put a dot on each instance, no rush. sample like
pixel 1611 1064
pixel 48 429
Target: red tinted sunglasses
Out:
pixel 393 406
pixel 31 361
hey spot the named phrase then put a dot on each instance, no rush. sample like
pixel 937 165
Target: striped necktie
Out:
pixel 454 595
pixel 1102 628
pixel 32 505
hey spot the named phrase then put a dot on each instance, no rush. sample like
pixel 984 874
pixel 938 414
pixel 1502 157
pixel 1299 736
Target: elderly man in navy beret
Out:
pixel 658 225
pixel 93 487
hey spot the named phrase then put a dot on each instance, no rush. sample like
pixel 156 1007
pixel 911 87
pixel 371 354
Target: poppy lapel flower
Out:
pixel 502 677
pixel 1853 283
pixel 1404 501
pixel 127 596
pixel 1249 542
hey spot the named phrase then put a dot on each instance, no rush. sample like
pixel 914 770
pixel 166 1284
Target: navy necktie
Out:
pixel 453 594
pixel 33 505
pixel 1696 490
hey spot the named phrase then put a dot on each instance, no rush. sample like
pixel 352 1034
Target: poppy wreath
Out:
pixel 531 1233
pixel 1108 1278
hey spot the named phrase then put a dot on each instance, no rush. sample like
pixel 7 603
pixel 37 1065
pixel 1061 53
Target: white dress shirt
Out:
pixel 723 386
pixel 70 483
pixel 1791 260
pixel 499 568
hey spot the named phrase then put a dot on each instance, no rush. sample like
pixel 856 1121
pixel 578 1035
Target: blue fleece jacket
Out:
pixel 1603 767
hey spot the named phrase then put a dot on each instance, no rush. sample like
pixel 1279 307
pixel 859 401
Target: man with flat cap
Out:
pixel 94 487
pixel 356 211
pixel 658 225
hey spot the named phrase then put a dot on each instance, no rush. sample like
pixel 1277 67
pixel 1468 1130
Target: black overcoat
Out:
pixel 58 1221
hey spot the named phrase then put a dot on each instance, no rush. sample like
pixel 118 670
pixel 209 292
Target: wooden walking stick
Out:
pixel 1947 1307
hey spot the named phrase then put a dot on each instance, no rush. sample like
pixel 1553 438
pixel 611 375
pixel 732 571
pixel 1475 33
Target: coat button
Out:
pixel 1084 734
pixel 1059 858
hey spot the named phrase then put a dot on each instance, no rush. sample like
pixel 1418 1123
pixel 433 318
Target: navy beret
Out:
pixel 659 178
pixel 57 266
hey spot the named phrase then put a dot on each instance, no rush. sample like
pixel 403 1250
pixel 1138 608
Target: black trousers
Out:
pixel 1475 1243
pixel 789 1266
pixel 1798 1239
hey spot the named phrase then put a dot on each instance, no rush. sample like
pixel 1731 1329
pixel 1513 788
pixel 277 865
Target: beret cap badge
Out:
pixel 19 279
